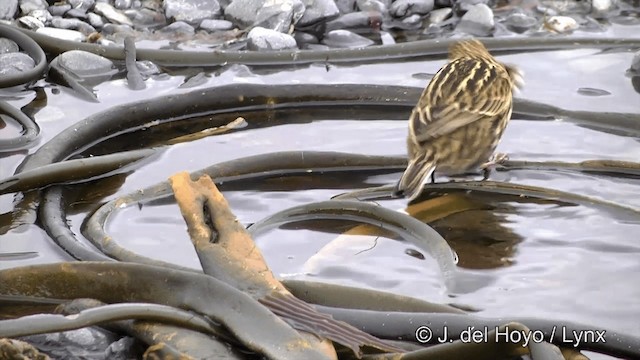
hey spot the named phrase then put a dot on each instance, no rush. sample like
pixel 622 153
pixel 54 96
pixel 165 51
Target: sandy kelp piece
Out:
pixel 227 252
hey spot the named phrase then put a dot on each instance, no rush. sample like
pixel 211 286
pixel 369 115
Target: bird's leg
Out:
pixel 497 158
pixel 433 177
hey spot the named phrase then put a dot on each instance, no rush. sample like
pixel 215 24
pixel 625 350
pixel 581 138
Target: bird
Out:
pixel 460 117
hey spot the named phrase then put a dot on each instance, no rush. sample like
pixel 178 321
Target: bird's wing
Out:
pixel 464 91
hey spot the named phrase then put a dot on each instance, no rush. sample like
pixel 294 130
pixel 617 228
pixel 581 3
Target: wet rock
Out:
pixel 260 38
pixel 635 63
pixel 317 11
pixel 191 11
pixel 270 14
pixel 519 22
pixel 372 5
pixel 64 34
pixel 112 14
pixel 462 6
pixel 303 38
pixel 123 4
pixel 345 39
pixel 15 63
pixel 95 20
pixel 30 22
pixel 27 6
pixel 600 7
pixel 72 24
pixel 42 15
pixel 77 14
pixel 8 9
pixel 346 6
pixel 356 21
pixel 478 21
pixel 561 24
pixel 178 28
pixel 8 46
pixel 438 16
pixel 83 5
pixel 147 68
pixel 402 8
pixel 213 25
pixel 146 17
pixel 413 22
pixel 386 38
pixel 59 10
pixel 115 29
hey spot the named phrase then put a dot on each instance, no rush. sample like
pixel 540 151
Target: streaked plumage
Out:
pixel 460 116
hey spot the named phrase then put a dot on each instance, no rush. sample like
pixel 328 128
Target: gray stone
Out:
pixel 316 47
pixel 214 25
pixel 147 68
pixel 27 6
pixel 372 5
pixel 77 14
pixel 178 28
pixel 386 38
pixel 345 39
pixel 478 21
pixel 112 14
pixel 84 5
pixel 346 6
pixel 356 20
pixel 117 29
pixel 30 22
pixel 8 46
pixel 146 17
pixel 271 14
pixel 317 11
pixel 437 16
pixel 260 38
pixel 402 8
pixel 519 22
pixel 191 11
pixel 465 5
pixel 72 24
pixel 303 38
pixel 15 63
pixel 8 9
pixel 123 4
pixel 59 10
pixel 95 20
pixel 42 15
pixel 84 64
pixel 64 34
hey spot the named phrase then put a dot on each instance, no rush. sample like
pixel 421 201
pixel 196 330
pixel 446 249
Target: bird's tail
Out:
pixel 418 171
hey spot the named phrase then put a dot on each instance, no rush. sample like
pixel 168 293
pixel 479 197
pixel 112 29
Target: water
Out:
pixel 557 262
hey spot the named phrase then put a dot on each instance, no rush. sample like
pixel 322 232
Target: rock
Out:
pixel 303 38
pixel 8 9
pixel 478 21
pixel 115 29
pixel 86 65
pixel 146 17
pixel 42 15
pixel 462 6
pixel 8 46
pixel 15 63
pixel 345 39
pixel 178 28
pixel 213 25
pixel 123 4
pixel 386 38
pixel 83 5
pixel 519 22
pixel 64 34
pixel 72 24
pixel 438 16
pixel 260 38
pixel 372 5
pixel 317 11
pixel 402 8
pixel 27 6
pixel 95 20
pixel 112 14
pixel 77 14
pixel 635 63
pixel 600 7
pixel 357 20
pixel 147 68
pixel 191 11
pixel 30 22
pixel 59 10
pixel 269 14
pixel 346 6
pixel 561 24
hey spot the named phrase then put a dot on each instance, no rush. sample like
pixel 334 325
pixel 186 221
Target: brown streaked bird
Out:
pixel 460 117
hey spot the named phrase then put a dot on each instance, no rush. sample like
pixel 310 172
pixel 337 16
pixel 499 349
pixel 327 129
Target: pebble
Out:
pixel 95 20
pixel 356 20
pixel 303 38
pixel 123 4
pixel 8 9
pixel 346 39
pixel 478 21
pixel 439 15
pixel 317 11
pixel 8 46
pixel 27 6
pixel 372 5
pixel 346 6
pixel 192 12
pixel 260 38
pixel 463 6
pixel 86 65
pixel 77 14
pixel 30 22
pixel 72 24
pixel 279 15
pixel 146 17
pixel 561 24
pixel 111 13
pixel 601 6
pixel 15 63
pixel 42 15
pixel 178 28
pixel 113 29
pixel 213 25
pixel 83 5
pixel 63 34
pixel 402 8
pixel 59 10
pixel 519 22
